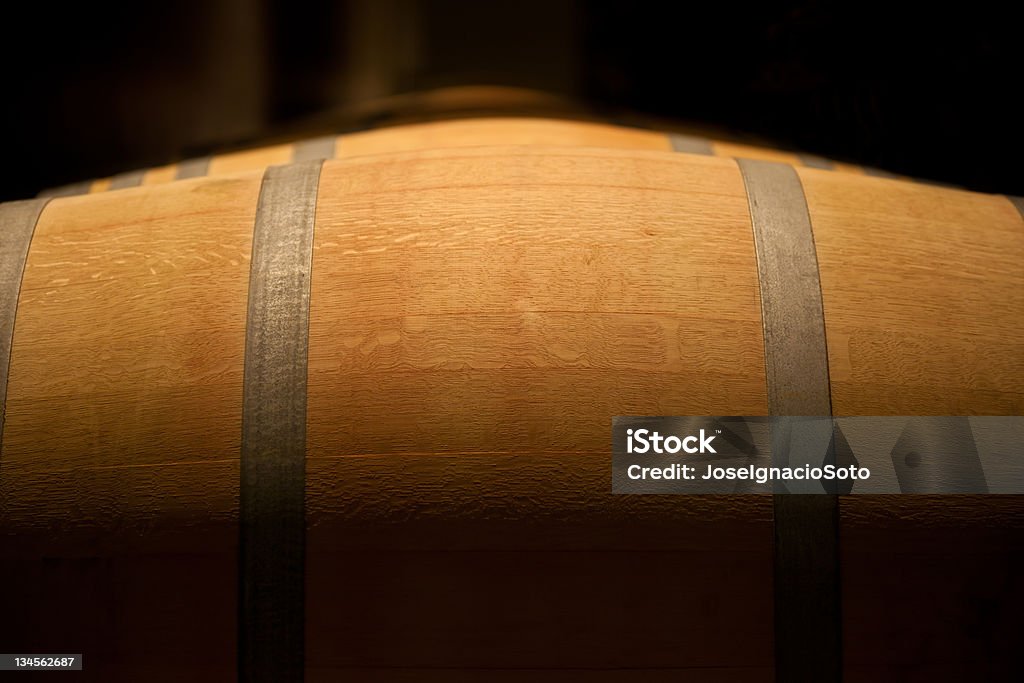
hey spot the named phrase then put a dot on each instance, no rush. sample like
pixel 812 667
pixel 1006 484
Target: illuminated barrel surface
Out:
pixel 468 132
pixel 476 318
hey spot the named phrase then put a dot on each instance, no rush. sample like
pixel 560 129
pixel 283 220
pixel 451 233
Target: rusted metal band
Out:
pixel 271 638
pixel 17 225
pixel 808 625
pixel 690 144
pixel 317 148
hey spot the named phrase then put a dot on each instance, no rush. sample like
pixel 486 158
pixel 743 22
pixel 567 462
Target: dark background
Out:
pixel 931 90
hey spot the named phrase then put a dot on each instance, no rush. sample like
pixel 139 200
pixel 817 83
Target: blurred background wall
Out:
pixel 91 89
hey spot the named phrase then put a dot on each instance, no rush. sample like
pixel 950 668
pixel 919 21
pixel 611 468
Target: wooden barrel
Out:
pixel 469 132
pixel 475 318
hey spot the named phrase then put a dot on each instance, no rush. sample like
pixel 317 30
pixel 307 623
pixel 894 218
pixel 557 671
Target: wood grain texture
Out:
pixel 923 291
pixel 494 292
pixel 499 131
pixel 127 355
pixel 119 473
pixel 501 305
pixel 481 296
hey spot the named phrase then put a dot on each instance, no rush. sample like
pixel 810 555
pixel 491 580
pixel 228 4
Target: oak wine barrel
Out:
pixel 439 339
